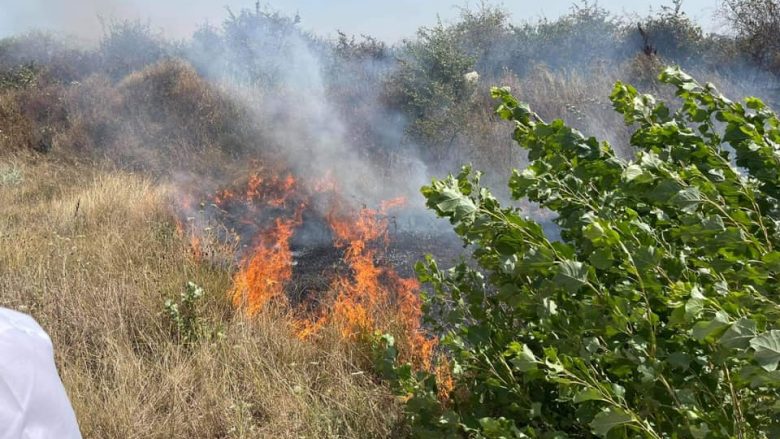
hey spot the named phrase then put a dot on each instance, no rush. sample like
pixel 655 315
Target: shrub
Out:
pixel 31 53
pixel 31 110
pixel 10 175
pixel 430 88
pixel 128 46
pixel 18 77
pixel 184 314
pixel 756 23
pixel 670 32
pixel 161 118
pixel 261 47
pixel 586 34
pixel 656 312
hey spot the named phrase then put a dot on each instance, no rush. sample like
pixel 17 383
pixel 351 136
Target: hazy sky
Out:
pixel 390 20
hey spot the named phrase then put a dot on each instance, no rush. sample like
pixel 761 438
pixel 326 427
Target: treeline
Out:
pixel 426 96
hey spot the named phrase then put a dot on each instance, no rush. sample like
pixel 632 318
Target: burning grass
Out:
pixel 373 297
pixel 94 254
pixel 365 296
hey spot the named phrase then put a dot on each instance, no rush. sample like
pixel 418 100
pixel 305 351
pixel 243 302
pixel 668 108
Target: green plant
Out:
pixel 429 86
pixel 654 315
pixel 184 314
pixel 129 45
pixel 671 32
pixel 10 175
pixel 19 77
pixel 756 23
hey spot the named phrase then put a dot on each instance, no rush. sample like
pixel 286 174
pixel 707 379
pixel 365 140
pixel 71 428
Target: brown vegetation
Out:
pixel 93 255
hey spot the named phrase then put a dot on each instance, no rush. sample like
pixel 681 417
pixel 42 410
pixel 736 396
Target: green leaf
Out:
pixel 693 307
pixel 739 334
pixel 706 330
pixel 609 419
pixel 524 359
pixel 587 395
pixel 759 377
pixel 700 432
pixel 679 360
pixel 767 347
pixel 455 203
pixel 593 231
pixel 688 199
pixel 571 275
pixel 697 211
pixel 602 258
pixel 495 428
pixel 632 171
pixel 772 260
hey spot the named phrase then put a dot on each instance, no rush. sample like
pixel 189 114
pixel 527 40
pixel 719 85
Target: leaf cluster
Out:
pixel 654 315
pixel 184 315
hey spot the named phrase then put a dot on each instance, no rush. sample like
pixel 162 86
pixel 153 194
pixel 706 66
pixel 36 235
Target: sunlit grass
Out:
pixel 93 255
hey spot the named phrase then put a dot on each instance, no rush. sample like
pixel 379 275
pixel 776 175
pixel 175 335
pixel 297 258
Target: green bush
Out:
pixel 656 312
pixel 673 34
pixel 430 89
pixel 10 175
pixel 184 314
pixel 20 77
pixel 756 24
pixel 128 46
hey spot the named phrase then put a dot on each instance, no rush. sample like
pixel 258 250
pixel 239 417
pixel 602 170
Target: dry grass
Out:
pixel 93 255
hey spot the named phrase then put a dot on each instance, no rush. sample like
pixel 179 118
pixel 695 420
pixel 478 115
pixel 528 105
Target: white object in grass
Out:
pixel 33 402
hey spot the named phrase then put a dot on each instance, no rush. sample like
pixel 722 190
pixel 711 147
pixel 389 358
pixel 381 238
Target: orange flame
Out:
pixel 195 246
pixel 265 273
pixel 374 297
pixel 223 196
pixel 393 203
pixel 185 203
pixel 326 183
pixel 445 382
pixel 370 297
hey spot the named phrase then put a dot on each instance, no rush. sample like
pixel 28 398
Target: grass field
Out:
pixel 93 254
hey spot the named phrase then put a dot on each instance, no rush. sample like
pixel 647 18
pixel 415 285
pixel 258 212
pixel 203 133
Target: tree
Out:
pixel 656 312
pixel 757 25
pixel 429 87
pixel 128 46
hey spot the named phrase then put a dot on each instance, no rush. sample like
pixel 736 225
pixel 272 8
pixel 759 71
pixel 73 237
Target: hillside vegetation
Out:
pixel 620 287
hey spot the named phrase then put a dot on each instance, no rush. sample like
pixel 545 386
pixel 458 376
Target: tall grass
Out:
pixel 93 254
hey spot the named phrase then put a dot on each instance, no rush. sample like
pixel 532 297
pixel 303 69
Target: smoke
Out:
pixel 321 108
pixel 319 111
pixel 82 18
pixel 78 17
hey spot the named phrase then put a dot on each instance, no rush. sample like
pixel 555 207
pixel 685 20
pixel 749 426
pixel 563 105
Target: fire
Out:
pixel 374 297
pixel 259 191
pixel 267 270
pixel 359 296
pixel 444 379
pixel 392 204
pixel 195 247
pixel 326 183
pixel 366 296
pixel 223 197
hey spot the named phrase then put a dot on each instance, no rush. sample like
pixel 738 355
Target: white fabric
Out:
pixel 33 402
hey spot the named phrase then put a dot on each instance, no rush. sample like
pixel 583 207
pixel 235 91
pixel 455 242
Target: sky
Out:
pixel 389 20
